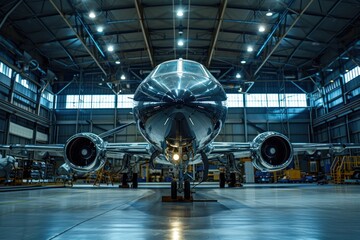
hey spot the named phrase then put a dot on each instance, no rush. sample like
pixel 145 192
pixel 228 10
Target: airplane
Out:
pixel 180 108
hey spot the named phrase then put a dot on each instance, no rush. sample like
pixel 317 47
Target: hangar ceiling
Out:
pixel 301 37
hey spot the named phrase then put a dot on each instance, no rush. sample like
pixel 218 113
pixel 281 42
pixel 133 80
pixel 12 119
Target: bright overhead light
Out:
pixel 117 62
pixel 180 42
pixel 176 157
pixel 123 77
pixel 238 75
pixel 110 48
pixel 92 14
pixel 180 13
pixel 269 13
pixel 243 61
pixel 261 28
pixel 250 49
pixel 100 29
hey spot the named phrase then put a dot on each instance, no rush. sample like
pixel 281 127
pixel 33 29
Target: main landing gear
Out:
pixel 186 190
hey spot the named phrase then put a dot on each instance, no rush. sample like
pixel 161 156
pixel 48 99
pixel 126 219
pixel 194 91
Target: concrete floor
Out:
pixel 252 212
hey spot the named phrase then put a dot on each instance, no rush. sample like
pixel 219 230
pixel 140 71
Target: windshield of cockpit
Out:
pixel 180 66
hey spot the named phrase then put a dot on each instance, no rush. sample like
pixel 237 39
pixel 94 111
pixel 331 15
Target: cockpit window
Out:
pixel 180 66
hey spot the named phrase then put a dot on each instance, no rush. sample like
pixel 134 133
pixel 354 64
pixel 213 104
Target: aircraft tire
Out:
pixel 222 180
pixel 232 180
pixel 187 190
pixel 173 190
pixel 135 180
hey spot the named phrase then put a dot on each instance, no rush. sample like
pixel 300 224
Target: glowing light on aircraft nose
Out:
pixel 176 157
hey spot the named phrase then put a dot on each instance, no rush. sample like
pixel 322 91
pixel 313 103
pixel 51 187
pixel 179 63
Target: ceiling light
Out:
pixel 110 48
pixel 122 77
pixel 269 13
pixel 243 61
pixel 117 62
pixel 181 30
pixel 180 13
pixel 238 75
pixel 180 42
pixel 261 28
pixel 92 14
pixel 250 49
pixel 100 29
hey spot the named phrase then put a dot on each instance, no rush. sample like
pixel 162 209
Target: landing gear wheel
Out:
pixel 187 190
pixel 124 183
pixel 232 180
pixel 222 180
pixel 173 190
pixel 135 180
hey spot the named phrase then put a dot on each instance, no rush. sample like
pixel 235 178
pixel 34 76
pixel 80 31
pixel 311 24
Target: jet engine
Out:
pixel 85 152
pixel 271 151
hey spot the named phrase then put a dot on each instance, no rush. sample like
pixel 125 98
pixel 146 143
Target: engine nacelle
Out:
pixel 85 152
pixel 271 151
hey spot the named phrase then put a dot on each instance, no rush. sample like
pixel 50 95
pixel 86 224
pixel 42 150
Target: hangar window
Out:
pixel 353 73
pixel 125 101
pixel 256 100
pixel 6 70
pixel 90 101
pixel 293 100
pixel 276 100
pixel 47 99
pixel 235 100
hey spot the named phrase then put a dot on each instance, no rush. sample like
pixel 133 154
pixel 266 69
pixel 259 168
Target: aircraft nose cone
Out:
pixel 180 96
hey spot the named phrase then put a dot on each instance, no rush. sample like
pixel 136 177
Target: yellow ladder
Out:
pixel 342 168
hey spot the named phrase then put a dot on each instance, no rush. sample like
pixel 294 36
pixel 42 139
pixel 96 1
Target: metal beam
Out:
pixel 53 35
pixel 216 33
pixel 79 37
pixel 282 37
pixel 312 30
pixel 145 31
pixel 9 12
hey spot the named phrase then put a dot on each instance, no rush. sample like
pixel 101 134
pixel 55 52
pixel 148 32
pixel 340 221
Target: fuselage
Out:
pixel 179 109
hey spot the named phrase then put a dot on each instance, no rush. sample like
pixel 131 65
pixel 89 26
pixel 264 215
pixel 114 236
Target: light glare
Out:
pixel 176 157
pixel 100 29
pixel 92 14
pixel 180 13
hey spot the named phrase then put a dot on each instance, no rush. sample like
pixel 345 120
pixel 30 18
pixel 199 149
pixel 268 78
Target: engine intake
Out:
pixel 85 152
pixel 271 151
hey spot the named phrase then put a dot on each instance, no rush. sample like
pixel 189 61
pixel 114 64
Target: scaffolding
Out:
pixel 343 167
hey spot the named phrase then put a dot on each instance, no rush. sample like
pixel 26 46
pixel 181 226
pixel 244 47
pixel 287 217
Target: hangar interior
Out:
pixel 70 66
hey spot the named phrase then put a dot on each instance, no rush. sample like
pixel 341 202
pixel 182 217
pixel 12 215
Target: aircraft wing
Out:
pixel 85 151
pixel 272 151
